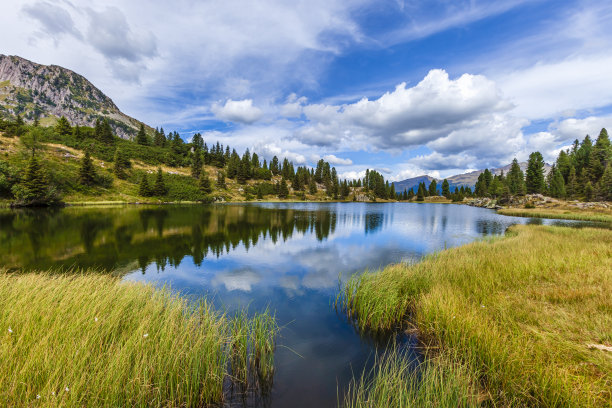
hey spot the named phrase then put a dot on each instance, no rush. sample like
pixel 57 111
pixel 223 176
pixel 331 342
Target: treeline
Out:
pixel 582 172
pixel 33 185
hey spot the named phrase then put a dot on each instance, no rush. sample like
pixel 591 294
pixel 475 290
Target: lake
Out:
pixel 287 257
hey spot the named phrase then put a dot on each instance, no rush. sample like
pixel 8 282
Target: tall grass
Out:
pixel 440 381
pixel 89 340
pixel 562 214
pixel 519 311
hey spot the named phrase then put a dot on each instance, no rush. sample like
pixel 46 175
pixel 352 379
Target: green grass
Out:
pixel 564 214
pixel 90 340
pixel 519 311
pixel 396 381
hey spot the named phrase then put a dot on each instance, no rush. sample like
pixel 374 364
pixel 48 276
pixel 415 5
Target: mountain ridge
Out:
pixel 464 179
pixel 48 92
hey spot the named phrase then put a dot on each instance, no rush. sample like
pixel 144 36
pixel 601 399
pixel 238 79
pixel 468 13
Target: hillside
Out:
pixel 49 91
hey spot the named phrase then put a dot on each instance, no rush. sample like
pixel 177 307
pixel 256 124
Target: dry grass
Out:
pixel 566 213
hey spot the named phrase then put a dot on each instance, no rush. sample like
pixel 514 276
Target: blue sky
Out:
pixel 406 87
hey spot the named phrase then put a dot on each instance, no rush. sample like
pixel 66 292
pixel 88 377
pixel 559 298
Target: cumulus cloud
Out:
pixel 407 116
pixel 238 111
pixel 270 150
pixel 333 159
pixel 570 129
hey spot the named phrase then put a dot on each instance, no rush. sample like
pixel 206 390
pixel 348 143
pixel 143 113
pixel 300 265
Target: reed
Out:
pixel 522 312
pixel 90 340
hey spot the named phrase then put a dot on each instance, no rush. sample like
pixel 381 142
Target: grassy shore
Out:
pixel 512 320
pixel 89 340
pixel 603 215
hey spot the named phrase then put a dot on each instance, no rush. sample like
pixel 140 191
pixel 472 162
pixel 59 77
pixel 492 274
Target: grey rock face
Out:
pixel 34 90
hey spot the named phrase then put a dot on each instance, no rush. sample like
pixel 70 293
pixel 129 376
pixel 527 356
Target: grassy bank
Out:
pixel 89 340
pixel 517 315
pixel 602 215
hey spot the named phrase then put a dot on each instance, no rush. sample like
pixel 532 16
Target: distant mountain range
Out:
pixel 465 179
pixel 49 91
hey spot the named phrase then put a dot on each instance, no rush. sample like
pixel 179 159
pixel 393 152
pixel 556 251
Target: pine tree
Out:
pixel 588 191
pixel 433 188
pixel 196 163
pixel 605 185
pixel 446 189
pixel 220 180
pixel 144 189
pixel 34 189
pixel 62 127
pixel 106 133
pixel 87 172
pixel 421 192
pixel 516 179
pixel 283 190
pixel 534 180
pixel 121 164
pixel 571 190
pixel 312 186
pixel 205 185
pixel 141 137
pixel 159 189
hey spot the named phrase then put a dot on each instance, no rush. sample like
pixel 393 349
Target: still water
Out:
pixel 287 257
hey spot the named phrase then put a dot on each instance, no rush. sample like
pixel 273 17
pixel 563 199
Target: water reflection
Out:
pixel 287 257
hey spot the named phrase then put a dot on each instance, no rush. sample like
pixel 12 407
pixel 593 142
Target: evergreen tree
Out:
pixel 556 185
pixel 605 185
pixel 62 127
pixel 421 192
pixel 76 131
pixel 534 180
pixel 159 188
pixel 312 186
pixel 205 185
pixel 121 164
pixel 87 172
pixel 144 189
pixel 516 179
pixel 588 191
pixel 34 189
pixel 572 188
pixel 196 162
pixel 220 180
pixel 141 137
pixel 433 188
pixel 106 133
pixel 283 190
pixel 446 189
pixel 481 189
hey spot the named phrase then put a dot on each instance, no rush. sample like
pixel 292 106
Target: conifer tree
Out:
pixel 312 186
pixel 121 164
pixel 433 188
pixel 141 137
pixel 205 184
pixel 87 172
pixel 220 180
pixel 62 127
pixel 588 191
pixel 605 185
pixel 159 189
pixel 446 189
pixel 572 190
pixel 421 192
pixel 144 189
pixel 106 133
pixel 34 189
pixel 283 190
pixel 196 163
pixel 516 179
pixel 534 180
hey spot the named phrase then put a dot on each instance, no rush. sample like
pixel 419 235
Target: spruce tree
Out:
pixel 144 189
pixel 446 189
pixel 283 190
pixel 141 137
pixel 121 164
pixel 572 189
pixel 87 172
pixel 196 163
pixel 605 185
pixel 34 189
pixel 62 127
pixel 106 132
pixel 421 192
pixel 588 191
pixel 312 186
pixel 220 180
pixel 205 184
pixel 159 189
pixel 534 180
pixel 516 179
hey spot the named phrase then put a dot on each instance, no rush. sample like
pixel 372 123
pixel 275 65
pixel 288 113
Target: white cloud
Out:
pixel 334 160
pixel 270 150
pixel 238 111
pixel 570 129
